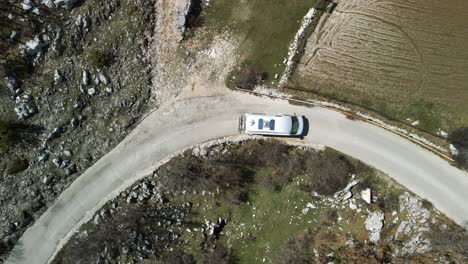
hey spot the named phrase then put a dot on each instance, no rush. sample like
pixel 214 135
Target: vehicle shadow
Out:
pixel 305 132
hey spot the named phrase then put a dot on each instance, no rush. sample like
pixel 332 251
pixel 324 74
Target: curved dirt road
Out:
pixel 189 122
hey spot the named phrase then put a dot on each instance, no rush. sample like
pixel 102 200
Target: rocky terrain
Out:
pixel 75 78
pixel 231 203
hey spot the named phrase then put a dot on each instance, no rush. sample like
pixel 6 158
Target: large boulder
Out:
pixel 374 224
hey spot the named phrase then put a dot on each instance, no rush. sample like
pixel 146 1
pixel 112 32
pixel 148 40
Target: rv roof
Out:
pixel 268 123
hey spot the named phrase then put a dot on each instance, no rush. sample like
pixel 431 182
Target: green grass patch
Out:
pixel 257 229
pixel 266 28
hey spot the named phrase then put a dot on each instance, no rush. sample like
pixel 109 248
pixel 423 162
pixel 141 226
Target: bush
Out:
pixel 427 204
pixel 17 66
pixel 190 173
pixel 219 255
pixel 7 135
pixel 328 217
pixel 459 139
pixel 178 257
pixel 99 58
pixel 17 165
pixel 390 202
pixel 249 77
pixel 194 18
pixel 326 173
pixel 12 133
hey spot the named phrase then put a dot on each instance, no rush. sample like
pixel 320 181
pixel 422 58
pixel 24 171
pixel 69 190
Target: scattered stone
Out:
pixel 97 219
pixel 43 157
pixel 85 77
pixel 443 133
pixel 92 91
pixel 347 196
pixel 57 161
pixel 12 84
pixel 104 79
pixel 13 35
pixel 27 5
pixel 308 206
pixel 196 151
pixel 58 77
pixel 64 164
pixel 46 179
pixel 67 153
pixel 108 90
pixel 453 150
pixel 74 123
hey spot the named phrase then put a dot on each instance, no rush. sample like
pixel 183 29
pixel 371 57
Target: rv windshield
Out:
pixel 295 125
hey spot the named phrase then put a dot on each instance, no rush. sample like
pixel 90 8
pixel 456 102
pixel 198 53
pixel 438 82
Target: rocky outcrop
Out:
pixel 374 224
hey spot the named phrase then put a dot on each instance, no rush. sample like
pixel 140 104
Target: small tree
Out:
pixel 459 139
pixel 249 77
pixel 100 58
pixel 7 135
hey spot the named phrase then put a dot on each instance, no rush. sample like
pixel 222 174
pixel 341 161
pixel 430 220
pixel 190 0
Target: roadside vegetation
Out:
pixel 259 201
pixel 459 140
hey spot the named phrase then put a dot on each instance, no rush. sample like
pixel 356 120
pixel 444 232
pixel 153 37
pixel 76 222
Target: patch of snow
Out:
pixel 415 123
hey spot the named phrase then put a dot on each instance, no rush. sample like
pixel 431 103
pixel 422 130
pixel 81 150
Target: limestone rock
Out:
pixel 374 224
pixel 366 195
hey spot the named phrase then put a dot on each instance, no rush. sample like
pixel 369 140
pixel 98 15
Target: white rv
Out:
pixel 274 125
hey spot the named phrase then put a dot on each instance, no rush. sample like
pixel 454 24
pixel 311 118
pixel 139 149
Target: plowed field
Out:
pixel 403 58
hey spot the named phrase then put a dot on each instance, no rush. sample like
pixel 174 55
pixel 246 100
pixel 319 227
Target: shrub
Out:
pixel 99 58
pixel 427 204
pixel 249 77
pixel 17 66
pixel 328 217
pixel 219 255
pixel 178 257
pixel 7 135
pixel 189 173
pixel 459 138
pixel 17 165
pixel 194 18
pixel 326 173
pixel 390 202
